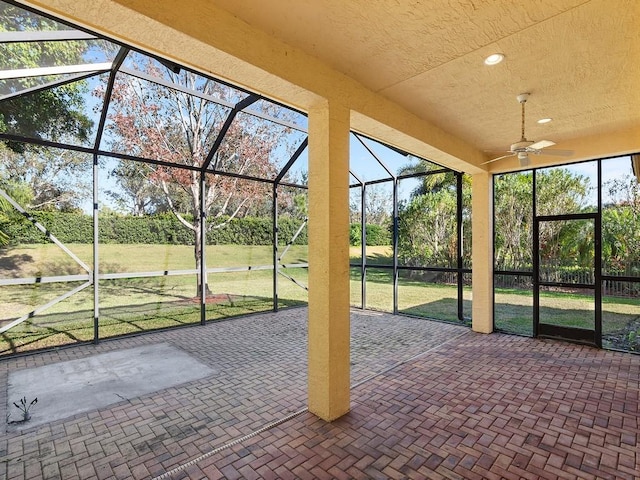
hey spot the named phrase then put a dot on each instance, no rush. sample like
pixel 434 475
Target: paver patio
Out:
pixel 472 406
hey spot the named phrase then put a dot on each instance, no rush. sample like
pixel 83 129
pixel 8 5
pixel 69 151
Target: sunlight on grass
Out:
pixel 379 290
pixel 376 255
pixel 49 259
pixel 415 296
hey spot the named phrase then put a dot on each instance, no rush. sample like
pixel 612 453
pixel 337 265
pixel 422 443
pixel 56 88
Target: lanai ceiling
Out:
pixel 580 60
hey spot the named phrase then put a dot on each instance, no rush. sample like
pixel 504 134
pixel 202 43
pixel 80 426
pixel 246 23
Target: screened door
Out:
pixel 566 297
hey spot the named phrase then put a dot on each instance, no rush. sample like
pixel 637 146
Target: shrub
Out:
pixel 152 229
pixel 164 228
pixel 69 227
pixel 376 235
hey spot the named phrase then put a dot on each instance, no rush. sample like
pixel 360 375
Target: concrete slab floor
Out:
pixel 67 388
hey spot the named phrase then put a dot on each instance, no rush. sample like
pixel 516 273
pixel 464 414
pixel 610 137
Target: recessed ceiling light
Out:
pixel 494 59
pixel 545 120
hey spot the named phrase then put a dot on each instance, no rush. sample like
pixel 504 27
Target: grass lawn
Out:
pixel 53 330
pixel 514 311
pixel 142 304
pixel 50 260
pixel 135 304
pixel 376 254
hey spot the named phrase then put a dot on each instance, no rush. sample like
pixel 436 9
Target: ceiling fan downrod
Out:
pixel 522 98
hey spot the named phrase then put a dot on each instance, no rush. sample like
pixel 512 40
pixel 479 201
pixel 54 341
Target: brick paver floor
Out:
pixel 430 400
pixel 480 407
pixel 260 364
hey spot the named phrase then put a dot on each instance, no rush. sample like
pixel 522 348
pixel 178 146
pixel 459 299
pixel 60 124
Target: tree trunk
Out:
pixel 198 257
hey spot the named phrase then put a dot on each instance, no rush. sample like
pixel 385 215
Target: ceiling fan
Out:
pixel 524 147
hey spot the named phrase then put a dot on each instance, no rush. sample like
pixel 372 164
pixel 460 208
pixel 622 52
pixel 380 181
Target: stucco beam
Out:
pixel 410 136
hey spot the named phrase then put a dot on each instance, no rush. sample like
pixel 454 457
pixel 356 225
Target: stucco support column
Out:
pixel 329 330
pixel 482 252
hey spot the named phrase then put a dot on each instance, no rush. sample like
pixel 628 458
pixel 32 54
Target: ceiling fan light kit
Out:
pixel 524 147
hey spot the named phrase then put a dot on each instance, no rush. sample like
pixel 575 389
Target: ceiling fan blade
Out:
pixel 542 144
pixel 557 153
pixel 498 158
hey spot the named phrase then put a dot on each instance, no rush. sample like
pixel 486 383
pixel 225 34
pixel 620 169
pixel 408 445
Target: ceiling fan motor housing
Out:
pixel 521 146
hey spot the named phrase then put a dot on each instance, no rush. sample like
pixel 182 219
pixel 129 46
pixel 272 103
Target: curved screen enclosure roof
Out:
pixel 105 98
pixel 38 51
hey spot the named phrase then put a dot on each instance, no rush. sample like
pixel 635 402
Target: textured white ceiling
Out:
pixel 579 59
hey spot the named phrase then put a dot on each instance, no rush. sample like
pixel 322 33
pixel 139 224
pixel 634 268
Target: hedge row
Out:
pixel 156 229
pixel 376 235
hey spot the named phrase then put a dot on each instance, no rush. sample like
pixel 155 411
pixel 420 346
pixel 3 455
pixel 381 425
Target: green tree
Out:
pixel 513 221
pixel 621 227
pixel 378 204
pixel 5 212
pixel 432 182
pixel 427 225
pixel 53 113
pixel 559 191
pixel 57 179
pixel 135 193
pixel 21 194
pixel 427 230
